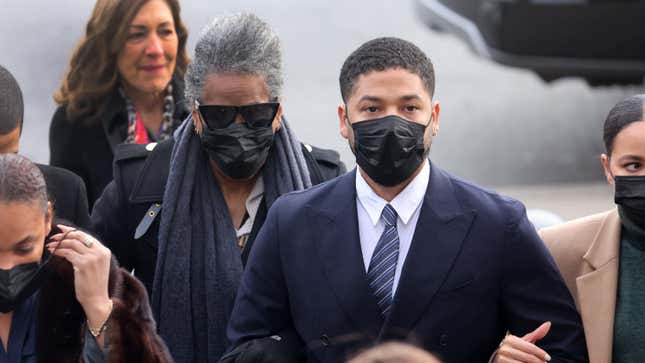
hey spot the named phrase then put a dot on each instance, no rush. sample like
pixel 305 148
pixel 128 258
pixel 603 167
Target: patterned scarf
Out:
pixel 137 131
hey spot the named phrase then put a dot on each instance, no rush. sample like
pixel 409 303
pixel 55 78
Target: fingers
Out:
pixel 72 244
pixel 65 228
pixel 79 248
pixel 511 354
pixel 70 255
pixel 91 263
pixel 538 333
pixel 80 241
pixel 83 261
pixel 517 349
pixel 501 359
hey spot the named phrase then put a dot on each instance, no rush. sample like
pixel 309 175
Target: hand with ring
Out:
pixel 91 263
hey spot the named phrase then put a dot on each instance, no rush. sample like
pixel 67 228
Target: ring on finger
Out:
pixel 75 268
pixel 88 242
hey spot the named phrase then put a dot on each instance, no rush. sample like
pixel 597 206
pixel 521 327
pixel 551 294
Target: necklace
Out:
pixel 137 132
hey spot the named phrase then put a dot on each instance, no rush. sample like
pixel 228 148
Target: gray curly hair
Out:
pixel 241 43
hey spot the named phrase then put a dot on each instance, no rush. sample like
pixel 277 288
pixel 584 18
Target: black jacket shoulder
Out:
pixel 142 170
pixel 324 164
pixel 67 194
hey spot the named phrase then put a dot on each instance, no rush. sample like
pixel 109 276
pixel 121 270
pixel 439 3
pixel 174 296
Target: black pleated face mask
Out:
pixel 238 150
pixel 20 282
pixel 389 149
pixel 630 195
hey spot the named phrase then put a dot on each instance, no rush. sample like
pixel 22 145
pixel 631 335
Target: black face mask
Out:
pixel 238 150
pixel 389 149
pixel 630 195
pixel 20 282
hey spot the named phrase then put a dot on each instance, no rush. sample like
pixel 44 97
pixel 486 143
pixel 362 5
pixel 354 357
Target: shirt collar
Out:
pixel 252 205
pixel 253 201
pixel 405 203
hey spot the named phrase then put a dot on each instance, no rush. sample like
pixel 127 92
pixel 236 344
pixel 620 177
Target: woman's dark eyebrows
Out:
pixel 25 241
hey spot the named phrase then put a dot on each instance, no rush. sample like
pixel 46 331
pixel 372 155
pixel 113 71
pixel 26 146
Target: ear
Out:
pixel 344 122
pixel 197 121
pixel 48 219
pixel 434 123
pixel 277 120
pixel 604 160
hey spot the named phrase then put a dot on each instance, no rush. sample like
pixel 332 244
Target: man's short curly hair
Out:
pixel 385 53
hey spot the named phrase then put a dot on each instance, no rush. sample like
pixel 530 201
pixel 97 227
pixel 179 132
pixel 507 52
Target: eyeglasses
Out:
pixel 257 115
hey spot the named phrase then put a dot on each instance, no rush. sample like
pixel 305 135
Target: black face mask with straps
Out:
pixel 389 149
pixel 630 195
pixel 21 281
pixel 238 150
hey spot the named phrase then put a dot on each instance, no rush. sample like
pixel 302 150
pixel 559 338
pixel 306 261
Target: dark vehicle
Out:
pixel 602 41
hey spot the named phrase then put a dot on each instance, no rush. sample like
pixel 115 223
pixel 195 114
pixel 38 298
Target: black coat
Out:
pixel 125 217
pixel 68 195
pixel 88 151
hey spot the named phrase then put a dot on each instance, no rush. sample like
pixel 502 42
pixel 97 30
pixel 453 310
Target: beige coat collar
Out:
pixel 597 289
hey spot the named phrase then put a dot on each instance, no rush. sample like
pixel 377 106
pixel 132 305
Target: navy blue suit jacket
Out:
pixel 476 269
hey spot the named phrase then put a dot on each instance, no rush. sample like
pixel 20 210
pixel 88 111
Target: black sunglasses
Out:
pixel 257 115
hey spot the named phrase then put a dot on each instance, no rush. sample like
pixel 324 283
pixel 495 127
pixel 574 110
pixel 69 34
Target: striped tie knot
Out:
pixel 389 216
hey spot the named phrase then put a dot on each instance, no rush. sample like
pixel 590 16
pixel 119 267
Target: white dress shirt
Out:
pixel 252 206
pixel 407 205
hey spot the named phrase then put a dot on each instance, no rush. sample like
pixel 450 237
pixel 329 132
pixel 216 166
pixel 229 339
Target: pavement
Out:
pixel 567 200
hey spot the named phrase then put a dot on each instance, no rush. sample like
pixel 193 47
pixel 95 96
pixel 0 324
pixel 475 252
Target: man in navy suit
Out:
pixel 400 249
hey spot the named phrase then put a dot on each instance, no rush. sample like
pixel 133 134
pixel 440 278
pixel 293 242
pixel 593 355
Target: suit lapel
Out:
pixel 437 240
pixel 338 246
pixel 597 289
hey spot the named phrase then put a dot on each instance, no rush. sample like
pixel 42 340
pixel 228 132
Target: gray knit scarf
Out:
pixel 198 262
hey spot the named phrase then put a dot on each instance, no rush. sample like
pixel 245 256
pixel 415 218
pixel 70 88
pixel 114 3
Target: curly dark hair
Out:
pixel 621 115
pixel 21 181
pixel 385 53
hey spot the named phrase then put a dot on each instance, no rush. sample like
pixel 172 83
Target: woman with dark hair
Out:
pixel 66 301
pixel 602 257
pixel 124 84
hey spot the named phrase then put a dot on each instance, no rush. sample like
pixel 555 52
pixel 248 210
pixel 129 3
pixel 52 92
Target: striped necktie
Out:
pixel 380 274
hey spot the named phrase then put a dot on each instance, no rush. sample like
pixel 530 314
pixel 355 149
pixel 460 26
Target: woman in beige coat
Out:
pixel 602 257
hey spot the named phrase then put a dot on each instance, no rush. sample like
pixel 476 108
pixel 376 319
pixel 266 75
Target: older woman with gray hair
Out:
pixel 183 214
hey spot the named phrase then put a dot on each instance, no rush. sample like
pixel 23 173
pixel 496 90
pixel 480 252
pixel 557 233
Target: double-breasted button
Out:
pixel 324 339
pixel 443 340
